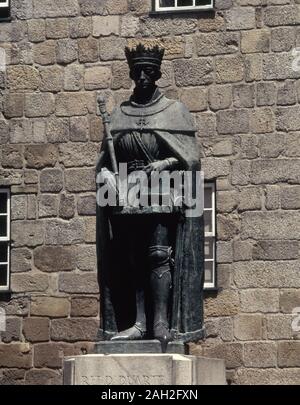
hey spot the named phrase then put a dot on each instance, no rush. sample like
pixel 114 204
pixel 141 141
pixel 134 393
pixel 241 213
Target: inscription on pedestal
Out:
pixel 123 370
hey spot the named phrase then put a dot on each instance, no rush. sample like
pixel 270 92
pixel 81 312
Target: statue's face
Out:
pixel 145 75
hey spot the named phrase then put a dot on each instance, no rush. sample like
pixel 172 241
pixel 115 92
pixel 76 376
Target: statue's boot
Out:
pixel 138 330
pixel 161 281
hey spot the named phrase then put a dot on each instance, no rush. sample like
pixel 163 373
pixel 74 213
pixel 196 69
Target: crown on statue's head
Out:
pixel 144 55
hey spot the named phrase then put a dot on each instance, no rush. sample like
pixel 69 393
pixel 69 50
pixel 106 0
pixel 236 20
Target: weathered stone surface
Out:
pixel 43 377
pixel 88 50
pixel 151 27
pixel 15 355
pixel 206 124
pixel 194 72
pixel 112 48
pixel 256 274
pixel 272 201
pixel 57 28
pixel 20 260
pixel 80 180
pixel 250 199
pixel 224 252
pixel 36 30
pixel 222 327
pixel 78 283
pixel 227 201
pixel 282 39
pixel 79 129
pixel 73 77
pixel 290 197
pixel 39 156
pixel 97 77
pixel 4 132
pixel 54 258
pixel 232 353
pixel 278 66
pixel 288 354
pixel 260 355
pixel 86 205
pixel 74 330
pixel 240 18
pixel 39 104
pixel 80 27
pixel 283 15
pixel 227 226
pixel 67 206
pixel 272 145
pixel 12 156
pixel 226 303
pixel 120 76
pixel 66 51
pixel 51 354
pixel 229 69
pixel 195 99
pixel 253 67
pixel 233 121
pixel 12 332
pixel 220 97
pixel 59 232
pixel 26 283
pixel 276 250
pixel 248 327
pixel 78 154
pixel 215 167
pixel 70 104
pixel 53 307
pixel 51 78
pixel 90 229
pixel 255 41
pixel 86 259
pixel 289 299
pixel 272 376
pixel 265 93
pixel 84 306
pixel 106 25
pixel 51 180
pixel 129 26
pixel 259 300
pixel 216 43
pixel 243 95
pixel 92 7
pixel 57 130
pixel 36 329
pixel 27 233
pixel 16 306
pixel 55 8
pixel 44 53
pixel 279 327
pixel 22 78
pixel 270 171
pixel 13 105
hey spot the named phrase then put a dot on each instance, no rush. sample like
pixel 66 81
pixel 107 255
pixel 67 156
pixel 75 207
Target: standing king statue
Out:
pixel 150 260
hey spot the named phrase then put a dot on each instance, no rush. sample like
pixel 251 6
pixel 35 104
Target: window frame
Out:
pixel 179 9
pixel 211 285
pixel 5 288
pixel 5 5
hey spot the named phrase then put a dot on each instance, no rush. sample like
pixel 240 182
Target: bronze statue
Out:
pixel 151 260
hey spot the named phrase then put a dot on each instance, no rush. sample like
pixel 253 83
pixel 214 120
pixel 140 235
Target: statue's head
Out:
pixel 144 64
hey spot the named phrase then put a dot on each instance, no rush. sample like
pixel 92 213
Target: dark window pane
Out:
pixel 167 3
pixel 201 2
pixel 184 3
pixel 3 252
pixel 3 203
pixel 208 221
pixel 3 274
pixel 3 225
pixel 207 197
pixel 209 266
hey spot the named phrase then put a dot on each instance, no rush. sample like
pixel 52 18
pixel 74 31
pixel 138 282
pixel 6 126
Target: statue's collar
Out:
pixel 160 103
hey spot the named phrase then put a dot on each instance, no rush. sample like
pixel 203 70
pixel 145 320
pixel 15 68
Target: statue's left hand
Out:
pixel 159 166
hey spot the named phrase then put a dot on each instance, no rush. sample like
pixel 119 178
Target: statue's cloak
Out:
pixel 174 126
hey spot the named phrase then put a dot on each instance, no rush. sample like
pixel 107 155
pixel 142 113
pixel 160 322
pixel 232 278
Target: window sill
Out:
pixel 5 19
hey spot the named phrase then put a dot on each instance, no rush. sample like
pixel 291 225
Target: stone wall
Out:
pixel 234 71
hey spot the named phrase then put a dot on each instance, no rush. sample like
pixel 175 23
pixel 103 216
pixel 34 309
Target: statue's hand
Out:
pixel 159 166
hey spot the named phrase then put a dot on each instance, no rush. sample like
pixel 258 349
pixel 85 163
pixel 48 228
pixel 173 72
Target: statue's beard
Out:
pixel 144 93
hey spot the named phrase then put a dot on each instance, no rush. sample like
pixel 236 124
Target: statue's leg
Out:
pixel 161 280
pixel 133 244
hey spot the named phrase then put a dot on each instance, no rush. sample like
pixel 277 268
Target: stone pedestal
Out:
pixel 143 369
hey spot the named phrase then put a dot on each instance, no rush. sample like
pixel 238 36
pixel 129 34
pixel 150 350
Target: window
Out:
pixel 4 238
pixel 183 5
pixel 210 236
pixel 4 9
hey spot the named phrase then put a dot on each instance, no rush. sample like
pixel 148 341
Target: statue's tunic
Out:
pixel 166 129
